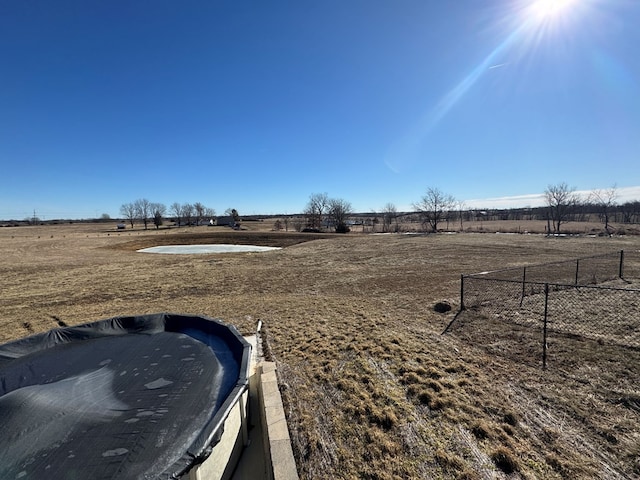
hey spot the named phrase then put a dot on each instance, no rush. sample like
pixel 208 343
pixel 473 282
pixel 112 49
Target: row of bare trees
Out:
pixel 435 207
pixel 562 204
pixel 324 213
pixel 144 211
pixel 561 201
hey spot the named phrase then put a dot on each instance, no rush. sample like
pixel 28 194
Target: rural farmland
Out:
pixel 372 387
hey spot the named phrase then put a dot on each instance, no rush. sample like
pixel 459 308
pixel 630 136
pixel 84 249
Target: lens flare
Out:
pixel 549 9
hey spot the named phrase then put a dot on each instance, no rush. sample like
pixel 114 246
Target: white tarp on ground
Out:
pixel 219 248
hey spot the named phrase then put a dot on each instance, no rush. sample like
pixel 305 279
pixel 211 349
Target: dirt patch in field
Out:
pixel 372 389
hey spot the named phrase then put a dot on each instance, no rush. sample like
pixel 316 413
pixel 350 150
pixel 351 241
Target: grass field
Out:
pixel 372 388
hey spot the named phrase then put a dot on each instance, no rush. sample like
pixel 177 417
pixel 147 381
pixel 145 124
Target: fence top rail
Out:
pixel 553 284
pixel 615 254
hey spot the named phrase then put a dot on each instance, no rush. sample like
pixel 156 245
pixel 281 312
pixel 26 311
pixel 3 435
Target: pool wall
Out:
pixel 225 453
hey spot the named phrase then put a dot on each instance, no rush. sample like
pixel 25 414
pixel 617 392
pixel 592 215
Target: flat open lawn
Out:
pixel 372 388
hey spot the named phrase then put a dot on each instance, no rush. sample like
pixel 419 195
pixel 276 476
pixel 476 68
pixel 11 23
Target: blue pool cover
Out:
pixel 140 397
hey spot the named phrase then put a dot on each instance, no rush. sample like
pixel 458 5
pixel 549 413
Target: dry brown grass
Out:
pixel 372 389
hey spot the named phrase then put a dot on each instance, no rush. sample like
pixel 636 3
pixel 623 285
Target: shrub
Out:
pixel 511 418
pixel 425 397
pixel 480 430
pixel 504 460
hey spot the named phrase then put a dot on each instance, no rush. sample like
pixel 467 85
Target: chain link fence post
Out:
pixel 585 306
pixel 621 267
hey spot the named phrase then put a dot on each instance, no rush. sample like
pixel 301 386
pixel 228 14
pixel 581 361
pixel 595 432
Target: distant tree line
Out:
pixel 146 212
pixel 433 210
pixel 437 208
pixel 562 204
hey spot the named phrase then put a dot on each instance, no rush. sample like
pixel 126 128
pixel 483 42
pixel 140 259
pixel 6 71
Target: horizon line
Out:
pixel 507 202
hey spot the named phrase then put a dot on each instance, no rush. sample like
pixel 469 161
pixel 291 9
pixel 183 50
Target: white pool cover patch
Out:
pixel 219 248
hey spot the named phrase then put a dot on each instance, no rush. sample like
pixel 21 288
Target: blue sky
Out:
pixel 256 105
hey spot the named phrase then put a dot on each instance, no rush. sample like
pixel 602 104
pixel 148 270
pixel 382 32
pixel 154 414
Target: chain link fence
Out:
pixel 538 311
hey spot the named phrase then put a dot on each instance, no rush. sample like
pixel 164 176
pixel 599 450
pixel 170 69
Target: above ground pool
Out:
pixel 123 398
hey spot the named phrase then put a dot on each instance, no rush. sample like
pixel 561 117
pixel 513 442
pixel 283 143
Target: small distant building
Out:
pixel 226 221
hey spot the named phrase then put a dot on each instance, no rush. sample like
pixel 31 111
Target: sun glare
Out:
pixel 550 9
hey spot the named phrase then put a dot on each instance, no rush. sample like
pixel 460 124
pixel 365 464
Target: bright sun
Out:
pixel 550 9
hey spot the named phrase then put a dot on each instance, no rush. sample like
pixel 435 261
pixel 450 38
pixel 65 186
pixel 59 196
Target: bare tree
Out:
pixel 128 212
pixel 338 212
pixel 187 213
pixel 561 200
pixel 199 211
pixel 372 221
pixel 434 207
pixel 316 210
pixel 298 224
pixel 631 212
pixel 389 214
pixel 461 206
pixel 210 214
pixel 143 210
pixel 233 213
pixel 158 210
pixel 176 211
pixel 606 201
